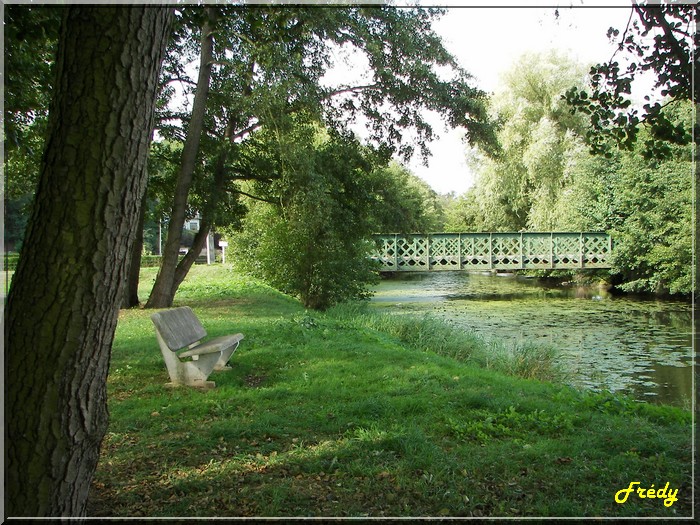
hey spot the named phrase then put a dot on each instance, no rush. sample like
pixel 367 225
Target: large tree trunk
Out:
pixel 163 291
pixel 62 308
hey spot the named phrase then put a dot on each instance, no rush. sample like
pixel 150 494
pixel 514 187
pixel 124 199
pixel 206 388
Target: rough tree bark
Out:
pixel 62 308
pixel 163 291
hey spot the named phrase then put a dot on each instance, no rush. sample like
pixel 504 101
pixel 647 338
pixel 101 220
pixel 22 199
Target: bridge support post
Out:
pixel 427 252
pixel 522 251
pixel 396 252
pixel 459 249
pixel 551 250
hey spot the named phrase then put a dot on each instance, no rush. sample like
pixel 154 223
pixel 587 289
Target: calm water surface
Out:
pixel 641 347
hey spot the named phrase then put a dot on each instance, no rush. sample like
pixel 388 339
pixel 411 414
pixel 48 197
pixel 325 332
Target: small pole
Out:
pixel 396 252
pixel 208 252
pixel 223 245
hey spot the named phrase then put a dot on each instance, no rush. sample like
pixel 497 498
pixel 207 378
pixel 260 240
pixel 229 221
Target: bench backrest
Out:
pixel 178 327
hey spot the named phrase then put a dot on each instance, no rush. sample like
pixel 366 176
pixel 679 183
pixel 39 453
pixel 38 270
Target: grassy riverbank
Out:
pixel 352 413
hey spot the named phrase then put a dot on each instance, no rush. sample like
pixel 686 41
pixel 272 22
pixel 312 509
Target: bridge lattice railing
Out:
pixel 493 251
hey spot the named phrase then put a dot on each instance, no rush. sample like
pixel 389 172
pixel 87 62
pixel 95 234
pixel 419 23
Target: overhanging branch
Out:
pixel 351 89
pixel 255 197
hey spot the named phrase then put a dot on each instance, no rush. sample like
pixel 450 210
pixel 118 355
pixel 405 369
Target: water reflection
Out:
pixel 639 346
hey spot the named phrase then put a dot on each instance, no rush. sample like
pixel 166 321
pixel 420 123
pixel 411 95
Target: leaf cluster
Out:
pixel 661 41
pixel 31 35
pixel 311 243
pixel 646 204
pixel 519 187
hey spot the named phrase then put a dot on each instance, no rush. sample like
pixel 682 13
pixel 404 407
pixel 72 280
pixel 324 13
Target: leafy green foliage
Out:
pixel 660 40
pixel 647 206
pixel 269 71
pixel 313 244
pixel 31 35
pixel 519 188
pixel 406 203
pixel 546 179
pixel 16 217
pixel 162 170
pixel 311 239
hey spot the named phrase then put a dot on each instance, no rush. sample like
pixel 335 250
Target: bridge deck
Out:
pixel 492 251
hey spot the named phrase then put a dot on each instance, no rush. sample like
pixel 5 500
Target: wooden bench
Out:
pixel 179 329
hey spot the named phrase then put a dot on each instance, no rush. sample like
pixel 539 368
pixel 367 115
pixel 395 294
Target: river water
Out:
pixel 638 346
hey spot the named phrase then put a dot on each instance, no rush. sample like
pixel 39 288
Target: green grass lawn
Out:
pixel 344 414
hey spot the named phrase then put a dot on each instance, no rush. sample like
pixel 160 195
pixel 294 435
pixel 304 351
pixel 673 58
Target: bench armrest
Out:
pixel 206 348
pixel 219 344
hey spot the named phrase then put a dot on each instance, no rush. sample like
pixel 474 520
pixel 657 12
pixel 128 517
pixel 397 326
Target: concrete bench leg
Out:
pixel 222 363
pixel 191 373
pixel 195 373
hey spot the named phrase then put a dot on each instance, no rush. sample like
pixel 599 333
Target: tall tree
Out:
pixel 405 202
pixel 163 295
pixel 269 66
pixel 62 307
pixel 519 188
pixel 646 204
pixel 311 237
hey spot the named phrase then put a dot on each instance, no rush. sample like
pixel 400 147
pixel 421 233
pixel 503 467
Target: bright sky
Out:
pixel 486 41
